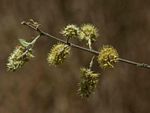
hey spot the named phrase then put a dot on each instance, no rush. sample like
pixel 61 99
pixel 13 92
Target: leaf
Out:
pixel 24 42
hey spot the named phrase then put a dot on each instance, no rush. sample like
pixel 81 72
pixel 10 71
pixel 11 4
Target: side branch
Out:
pixel 42 33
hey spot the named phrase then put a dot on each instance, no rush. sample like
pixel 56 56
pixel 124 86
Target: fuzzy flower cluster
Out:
pixel 88 32
pixel 70 31
pixel 18 58
pixel 107 57
pixel 58 54
pixel 88 82
pixel 85 32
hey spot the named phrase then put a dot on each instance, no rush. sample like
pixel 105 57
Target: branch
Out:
pixel 42 33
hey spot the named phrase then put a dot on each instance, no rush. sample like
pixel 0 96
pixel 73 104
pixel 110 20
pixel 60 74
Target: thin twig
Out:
pixel 134 63
pixel 91 62
pixel 42 33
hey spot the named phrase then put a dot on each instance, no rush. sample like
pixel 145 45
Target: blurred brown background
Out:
pixel 38 88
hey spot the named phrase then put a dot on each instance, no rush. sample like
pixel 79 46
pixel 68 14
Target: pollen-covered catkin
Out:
pixel 88 82
pixel 58 54
pixel 107 57
pixel 18 58
pixel 70 31
pixel 88 32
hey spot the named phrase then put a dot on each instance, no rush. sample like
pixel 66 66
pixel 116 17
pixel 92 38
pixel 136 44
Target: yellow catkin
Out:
pixel 18 58
pixel 88 82
pixel 58 54
pixel 107 57
pixel 88 32
pixel 70 31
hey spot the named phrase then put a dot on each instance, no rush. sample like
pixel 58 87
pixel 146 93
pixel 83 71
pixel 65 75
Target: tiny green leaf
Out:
pixel 24 43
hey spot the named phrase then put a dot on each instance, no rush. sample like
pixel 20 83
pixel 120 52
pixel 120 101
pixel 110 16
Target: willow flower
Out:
pixel 18 58
pixel 88 32
pixel 21 54
pixel 107 57
pixel 70 31
pixel 58 54
pixel 88 82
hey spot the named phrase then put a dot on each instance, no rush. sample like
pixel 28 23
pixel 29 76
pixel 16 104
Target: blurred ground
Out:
pixel 38 88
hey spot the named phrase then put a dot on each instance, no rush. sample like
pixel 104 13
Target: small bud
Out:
pixel 58 54
pixel 88 82
pixel 88 32
pixel 70 31
pixel 107 57
pixel 18 58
